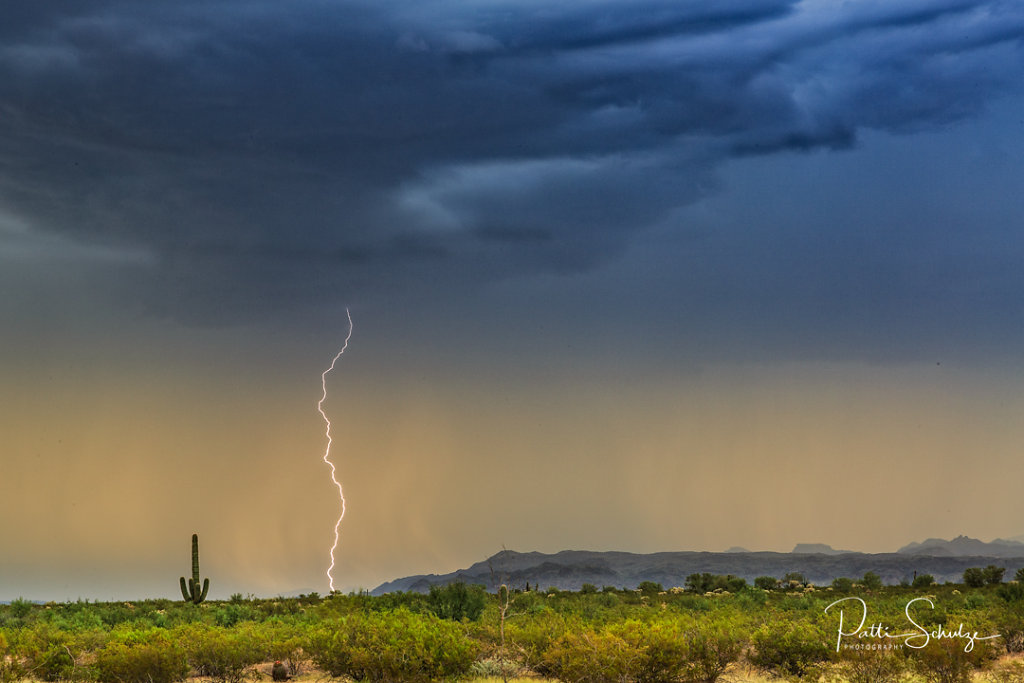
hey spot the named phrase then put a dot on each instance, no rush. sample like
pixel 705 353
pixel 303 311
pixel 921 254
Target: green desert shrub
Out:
pixel 495 667
pixel 399 647
pixel 10 664
pixel 948 660
pixel 56 663
pixel 871 581
pixel 590 656
pixel 707 582
pixel 220 654
pixel 1009 623
pixel 457 601
pixel 285 645
pixel 159 661
pixel 866 665
pixel 1009 671
pixel 667 650
pixel 974 577
pixel 531 638
pixel 661 650
pixel 232 613
pixel 711 646
pixel 797 650
pixel 993 574
pixel 656 651
pixel 19 611
pixel 1011 592
pixel 843 584
pixel 923 581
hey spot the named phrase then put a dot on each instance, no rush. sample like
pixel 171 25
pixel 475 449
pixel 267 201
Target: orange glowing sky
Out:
pixel 629 275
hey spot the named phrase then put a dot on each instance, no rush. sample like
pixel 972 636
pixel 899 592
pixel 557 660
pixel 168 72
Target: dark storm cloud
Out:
pixel 263 151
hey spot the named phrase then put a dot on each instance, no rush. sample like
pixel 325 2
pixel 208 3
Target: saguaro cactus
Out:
pixel 190 591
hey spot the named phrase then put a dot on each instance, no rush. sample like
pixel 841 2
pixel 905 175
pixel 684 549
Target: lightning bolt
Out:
pixel 327 451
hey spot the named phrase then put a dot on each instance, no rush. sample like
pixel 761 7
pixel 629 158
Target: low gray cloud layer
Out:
pixel 259 152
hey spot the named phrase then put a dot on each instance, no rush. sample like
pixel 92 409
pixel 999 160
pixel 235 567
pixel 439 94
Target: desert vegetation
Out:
pixel 714 628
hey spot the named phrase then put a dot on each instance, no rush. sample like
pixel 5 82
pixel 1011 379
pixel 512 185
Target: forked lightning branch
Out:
pixel 327 451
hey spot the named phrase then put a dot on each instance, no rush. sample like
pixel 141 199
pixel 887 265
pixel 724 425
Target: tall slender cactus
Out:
pixel 190 591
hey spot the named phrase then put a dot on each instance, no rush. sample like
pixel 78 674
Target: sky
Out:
pixel 637 275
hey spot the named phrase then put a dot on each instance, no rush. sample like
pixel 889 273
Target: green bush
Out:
pixel 711 646
pixel 794 649
pixel 494 667
pixel 871 581
pixel 20 609
pixel 993 575
pixel 1011 592
pixel 1009 623
pixel 10 665
pixel 655 651
pixel 766 583
pixel 160 661
pixel 532 637
pixel 948 661
pixel 1008 672
pixel 707 582
pixel 398 647
pixel 923 581
pixel 974 577
pixel 842 584
pixel 589 656
pixel 233 612
pixel 457 601
pixel 662 650
pixel 869 666
pixel 56 663
pixel 285 645
pixel 220 654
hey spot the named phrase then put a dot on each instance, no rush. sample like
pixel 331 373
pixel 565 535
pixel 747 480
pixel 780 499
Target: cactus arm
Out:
pixel 184 590
pixel 206 587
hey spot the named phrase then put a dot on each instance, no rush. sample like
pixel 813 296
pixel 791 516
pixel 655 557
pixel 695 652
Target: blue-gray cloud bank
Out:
pixel 248 156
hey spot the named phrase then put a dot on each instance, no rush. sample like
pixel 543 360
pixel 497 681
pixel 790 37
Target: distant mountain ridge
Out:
pixel 822 548
pixel 963 546
pixel 570 569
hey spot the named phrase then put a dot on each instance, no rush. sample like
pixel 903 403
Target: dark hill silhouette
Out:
pixel 570 569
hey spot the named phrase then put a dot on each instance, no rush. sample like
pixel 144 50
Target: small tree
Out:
pixel 766 583
pixel 1019 576
pixel 923 580
pixel 842 583
pixel 993 574
pixel 790 650
pixel 793 578
pixel 947 661
pixel 457 601
pixel 871 581
pixel 974 577
pixel 868 666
